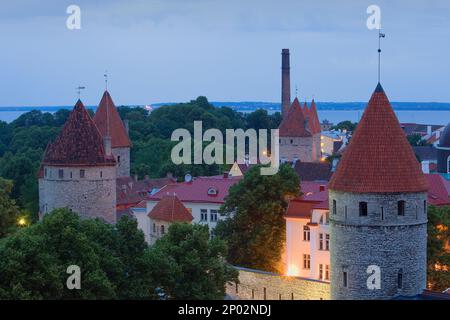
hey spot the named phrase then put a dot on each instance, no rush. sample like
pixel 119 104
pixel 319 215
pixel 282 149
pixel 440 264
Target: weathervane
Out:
pixel 79 88
pixel 106 79
pixel 296 91
pixel 380 35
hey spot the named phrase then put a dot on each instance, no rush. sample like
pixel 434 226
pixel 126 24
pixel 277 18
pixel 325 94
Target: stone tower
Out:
pixel 78 171
pixel 378 211
pixel 443 153
pixel 285 82
pixel 300 135
pixel 108 121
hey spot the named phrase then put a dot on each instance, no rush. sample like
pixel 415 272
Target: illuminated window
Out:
pixel 327 242
pixel 320 271
pixel 327 272
pixel 320 241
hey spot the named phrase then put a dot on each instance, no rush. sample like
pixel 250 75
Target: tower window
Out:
pixel 163 231
pixel 61 173
pixel 382 213
pixel 363 209
pixel 118 159
pixel 71 175
pixel 101 174
pixel 401 208
pixel 425 205
pixel 82 173
pixel 45 172
pixel 344 279
pixel 400 279
pixel 292 141
pixel 334 207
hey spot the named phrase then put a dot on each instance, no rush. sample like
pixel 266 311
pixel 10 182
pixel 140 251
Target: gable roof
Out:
pixel 293 125
pixel 379 158
pixel 108 121
pixel 197 190
pixel 79 143
pixel 313 171
pixel 170 209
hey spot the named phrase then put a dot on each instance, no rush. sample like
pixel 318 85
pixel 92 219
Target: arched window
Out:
pixel 363 209
pixel 401 208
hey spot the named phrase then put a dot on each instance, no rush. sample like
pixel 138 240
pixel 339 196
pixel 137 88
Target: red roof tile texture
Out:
pixel 379 158
pixel 170 209
pixel 79 143
pixel 293 125
pixel 314 122
pixel 109 123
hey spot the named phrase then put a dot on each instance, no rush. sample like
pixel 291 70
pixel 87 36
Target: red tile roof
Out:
pixel 379 158
pixel 437 194
pixel 170 209
pixel 79 143
pixel 109 123
pixel 293 125
pixel 314 122
pixel 299 209
pixel 313 171
pixel 197 190
pixel 130 192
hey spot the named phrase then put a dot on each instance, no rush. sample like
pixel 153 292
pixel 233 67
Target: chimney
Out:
pixel 107 145
pixel 126 123
pixel 321 188
pixel 426 167
pixel 285 82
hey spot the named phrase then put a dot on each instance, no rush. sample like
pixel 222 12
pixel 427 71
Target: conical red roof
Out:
pixel 293 125
pixel 171 209
pixel 379 158
pixel 109 123
pixel 314 122
pixel 79 143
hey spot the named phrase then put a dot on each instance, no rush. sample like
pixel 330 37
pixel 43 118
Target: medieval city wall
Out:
pixel 301 148
pixel 260 285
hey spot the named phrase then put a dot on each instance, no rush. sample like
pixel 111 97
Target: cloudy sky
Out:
pixel 227 50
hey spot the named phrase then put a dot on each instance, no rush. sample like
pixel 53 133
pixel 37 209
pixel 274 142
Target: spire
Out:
pixel 314 118
pixel 109 123
pixel 79 142
pixel 294 124
pixel 379 158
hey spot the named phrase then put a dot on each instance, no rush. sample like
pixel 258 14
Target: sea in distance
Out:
pixel 407 112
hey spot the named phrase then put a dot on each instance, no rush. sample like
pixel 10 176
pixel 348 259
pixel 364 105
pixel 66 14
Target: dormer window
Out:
pixel 212 191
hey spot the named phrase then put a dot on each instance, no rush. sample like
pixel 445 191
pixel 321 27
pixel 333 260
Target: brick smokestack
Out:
pixel 285 82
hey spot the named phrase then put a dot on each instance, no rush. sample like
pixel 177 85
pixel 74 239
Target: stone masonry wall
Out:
pixel 299 148
pixel 91 196
pixel 260 285
pixel 123 167
pixel 396 244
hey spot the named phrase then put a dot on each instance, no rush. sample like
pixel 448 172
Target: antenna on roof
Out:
pixel 380 35
pixel 79 88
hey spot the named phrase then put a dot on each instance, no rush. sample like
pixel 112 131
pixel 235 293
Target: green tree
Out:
pixel 9 212
pixel 416 140
pixel 345 125
pixel 33 262
pixel 195 266
pixel 438 256
pixel 255 227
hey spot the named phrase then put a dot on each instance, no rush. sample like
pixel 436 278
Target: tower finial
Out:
pixel 380 35
pixel 79 88
pixel 296 91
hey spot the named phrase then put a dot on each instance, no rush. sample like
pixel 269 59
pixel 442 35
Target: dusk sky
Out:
pixel 176 50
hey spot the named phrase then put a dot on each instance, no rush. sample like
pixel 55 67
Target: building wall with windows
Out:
pixel 308 246
pixel 203 213
pixel 88 191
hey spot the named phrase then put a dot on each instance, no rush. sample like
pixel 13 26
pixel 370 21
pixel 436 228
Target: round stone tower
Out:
pixel 78 171
pixel 378 211
pixel 443 153
pixel 109 123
